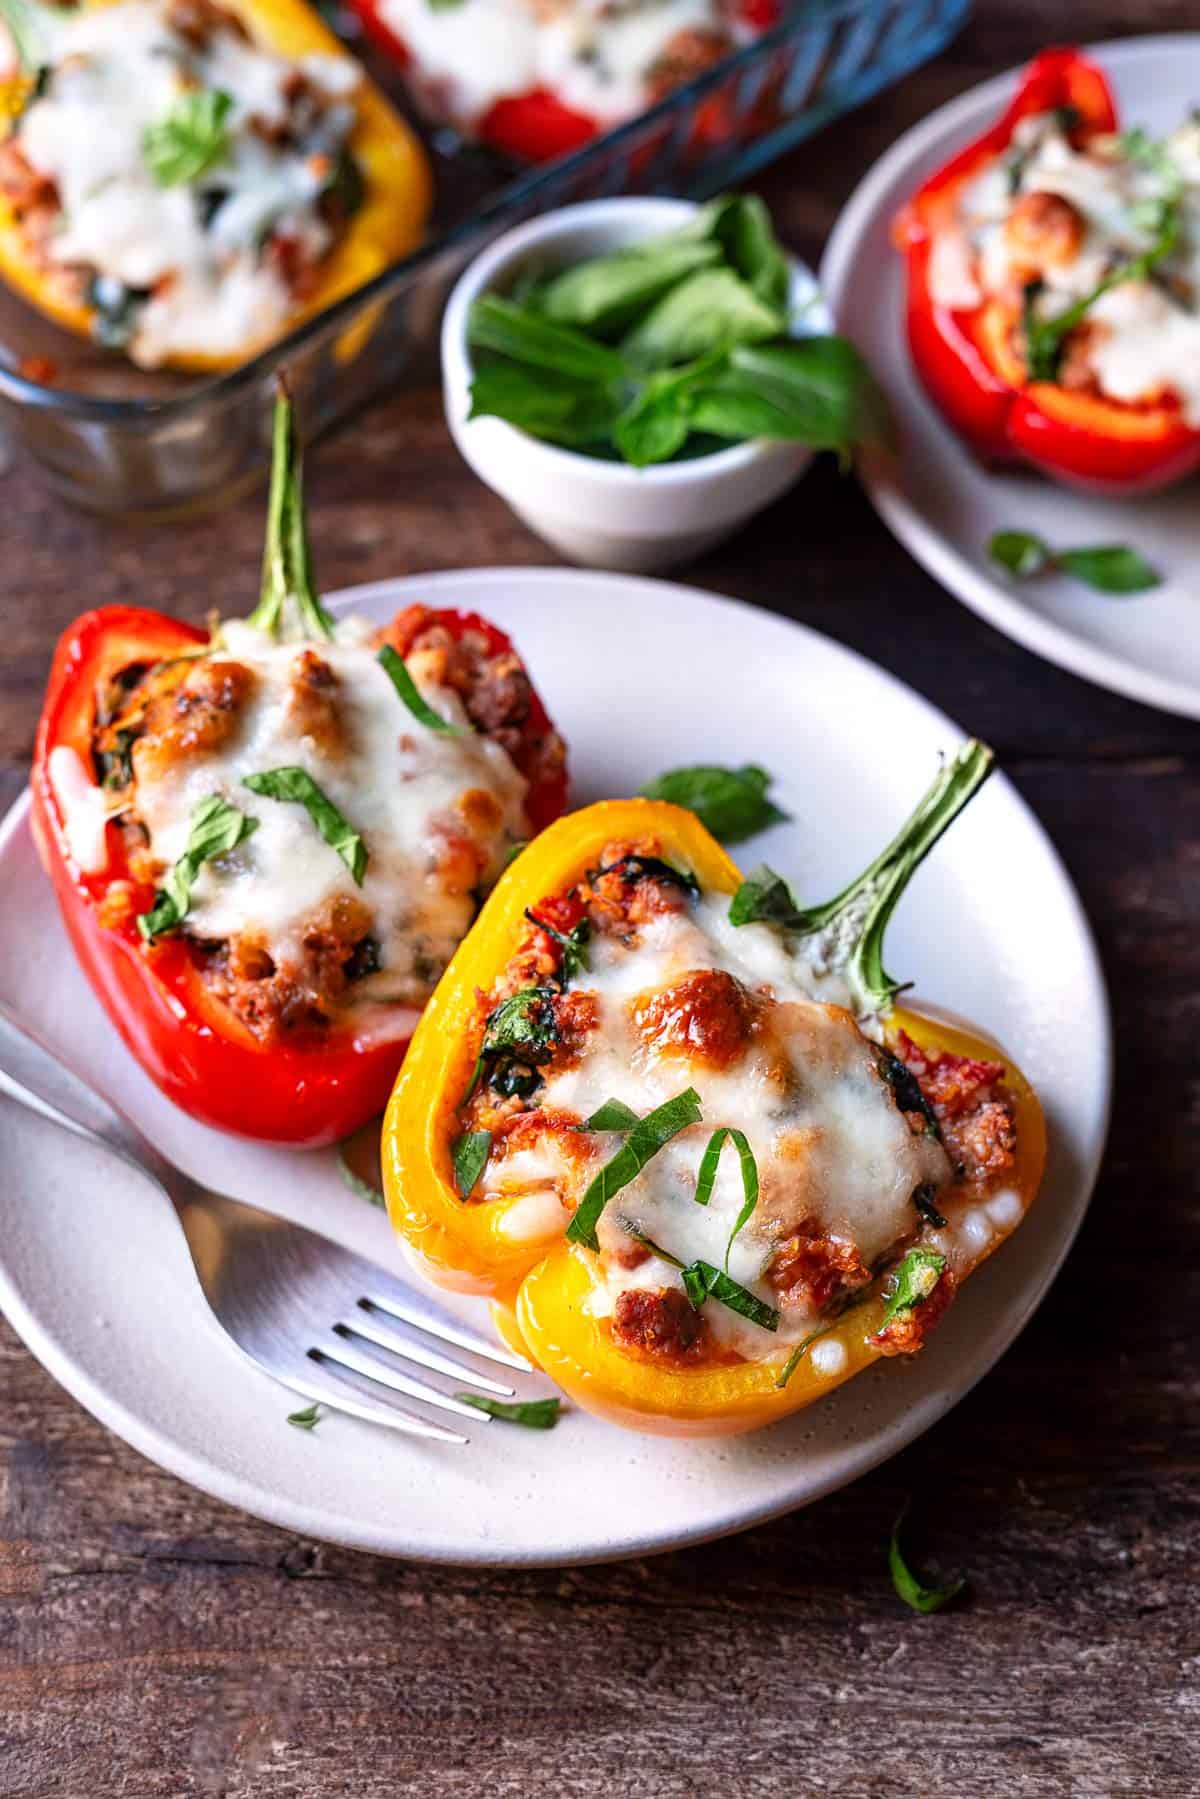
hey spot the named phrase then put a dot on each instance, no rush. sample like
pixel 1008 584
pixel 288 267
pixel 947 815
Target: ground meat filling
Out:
pixel 709 1017
pixel 150 717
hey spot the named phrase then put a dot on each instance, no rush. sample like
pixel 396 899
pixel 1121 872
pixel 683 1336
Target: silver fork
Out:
pixel 313 1315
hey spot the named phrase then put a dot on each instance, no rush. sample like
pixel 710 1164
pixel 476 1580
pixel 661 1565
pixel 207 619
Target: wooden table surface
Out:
pixel 155 1643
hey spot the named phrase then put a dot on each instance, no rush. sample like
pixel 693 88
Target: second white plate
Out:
pixel 642 676
pixel 943 507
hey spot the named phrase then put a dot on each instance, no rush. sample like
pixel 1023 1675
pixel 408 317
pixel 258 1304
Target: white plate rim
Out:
pixel 983 595
pixel 294 1514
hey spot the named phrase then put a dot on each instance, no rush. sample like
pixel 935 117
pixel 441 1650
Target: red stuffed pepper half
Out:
pixel 1053 276
pixel 267 841
pixel 540 78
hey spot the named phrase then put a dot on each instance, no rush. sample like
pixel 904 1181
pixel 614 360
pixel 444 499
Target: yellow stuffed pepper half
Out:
pixel 675 1124
pixel 185 181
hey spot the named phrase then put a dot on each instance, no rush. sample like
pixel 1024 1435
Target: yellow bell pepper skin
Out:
pixel 397 195
pixel 543 1290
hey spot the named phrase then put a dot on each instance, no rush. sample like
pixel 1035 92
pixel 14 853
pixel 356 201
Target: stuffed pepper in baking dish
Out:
pixel 267 842
pixel 186 180
pixel 1053 273
pixel 678 1128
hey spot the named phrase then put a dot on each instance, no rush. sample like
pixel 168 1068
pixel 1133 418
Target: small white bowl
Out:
pixel 609 514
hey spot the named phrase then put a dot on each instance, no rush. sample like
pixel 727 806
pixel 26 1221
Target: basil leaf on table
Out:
pixel 708 311
pixel 607 292
pixel 296 785
pixel 913 1591
pixel 512 330
pixel 1105 567
pixel 732 803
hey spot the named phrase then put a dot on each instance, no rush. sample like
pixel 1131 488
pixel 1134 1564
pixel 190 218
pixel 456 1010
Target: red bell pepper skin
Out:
pixel 307 1093
pixel 965 359
pixel 537 126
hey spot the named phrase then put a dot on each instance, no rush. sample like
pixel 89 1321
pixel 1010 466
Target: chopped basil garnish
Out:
pixel 906 1089
pixel 1106 567
pixel 469 1153
pixel 572 943
pixel 216 828
pixel 913 1591
pixel 708 1174
pixel 306 1419
pixel 190 140
pixel 394 667
pixel 793 1362
pixel 646 1138
pixel 287 574
pixel 651 868
pixel 518 1036
pixel 613 1115
pixel 923 1198
pixel 732 803
pixel 296 786
pixel 702 1281
pixel 851 926
pixel 912 1282
pixel 534 1414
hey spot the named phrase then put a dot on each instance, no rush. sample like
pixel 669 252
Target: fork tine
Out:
pixel 345 1353
pixel 364 1324
pixel 340 1398
pixel 413 1308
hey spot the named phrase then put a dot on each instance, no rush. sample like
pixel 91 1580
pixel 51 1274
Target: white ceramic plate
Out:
pixel 943 507
pixel 644 675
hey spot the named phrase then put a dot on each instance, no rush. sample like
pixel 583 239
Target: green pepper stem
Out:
pixel 289 606
pixel 863 909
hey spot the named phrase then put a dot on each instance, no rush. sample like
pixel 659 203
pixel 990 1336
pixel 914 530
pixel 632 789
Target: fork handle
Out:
pixel 34 1076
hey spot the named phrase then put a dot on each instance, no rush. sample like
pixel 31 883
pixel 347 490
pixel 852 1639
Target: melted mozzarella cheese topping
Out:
pixel 829 1142
pixel 1147 339
pixel 119 70
pixel 593 55
pixel 398 783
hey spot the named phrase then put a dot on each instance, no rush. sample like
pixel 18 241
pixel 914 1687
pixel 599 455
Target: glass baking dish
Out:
pixel 151 444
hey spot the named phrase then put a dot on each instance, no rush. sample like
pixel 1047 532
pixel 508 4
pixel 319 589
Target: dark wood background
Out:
pixel 154 1643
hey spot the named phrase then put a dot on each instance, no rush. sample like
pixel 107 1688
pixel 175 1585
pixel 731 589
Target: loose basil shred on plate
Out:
pixel 1114 568
pixel 673 347
pixel 534 1414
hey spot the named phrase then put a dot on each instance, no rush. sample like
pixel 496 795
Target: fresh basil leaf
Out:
pixel 511 330
pixel 647 1137
pixel 1109 568
pixel 765 898
pixel 604 292
pixel 651 868
pixel 469 1153
pixel 534 1414
pixel 190 140
pixel 216 828
pixel 559 408
pixel 732 803
pixel 702 1281
pixel 572 943
pixel 912 1282
pixel 654 427
pixel 296 786
pixel 913 1591
pixel 513 851
pixel 306 1419
pixel 396 670
pixel 742 225
pixel 1020 552
pixel 613 1115
pixel 923 1198
pixel 812 390
pixel 708 311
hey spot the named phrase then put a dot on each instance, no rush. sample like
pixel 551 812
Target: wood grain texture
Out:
pixel 155 1645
